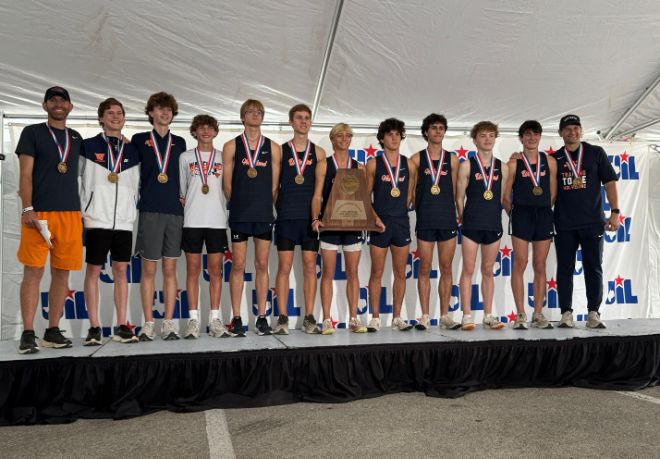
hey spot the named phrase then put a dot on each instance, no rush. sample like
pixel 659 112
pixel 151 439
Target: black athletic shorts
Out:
pixel 99 242
pixel 194 239
pixel 532 223
pixel 482 236
pixel 290 233
pixel 242 231
pixel 397 233
pixel 436 235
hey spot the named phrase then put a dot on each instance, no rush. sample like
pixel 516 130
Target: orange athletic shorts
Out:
pixel 66 236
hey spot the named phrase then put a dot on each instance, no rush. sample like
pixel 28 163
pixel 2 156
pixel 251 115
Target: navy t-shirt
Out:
pixel 51 191
pixel 155 196
pixel 581 207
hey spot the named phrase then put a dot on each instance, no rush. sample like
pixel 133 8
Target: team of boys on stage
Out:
pixel 180 198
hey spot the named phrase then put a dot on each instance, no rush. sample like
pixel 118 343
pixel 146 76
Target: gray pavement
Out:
pixel 511 423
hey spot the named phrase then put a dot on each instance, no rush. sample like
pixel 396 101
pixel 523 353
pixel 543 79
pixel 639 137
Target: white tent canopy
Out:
pixel 355 61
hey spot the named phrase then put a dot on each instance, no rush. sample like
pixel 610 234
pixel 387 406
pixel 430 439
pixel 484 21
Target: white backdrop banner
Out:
pixel 628 258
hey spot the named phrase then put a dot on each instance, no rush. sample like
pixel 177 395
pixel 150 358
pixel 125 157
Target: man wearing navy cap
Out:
pixel 48 187
pixel 579 218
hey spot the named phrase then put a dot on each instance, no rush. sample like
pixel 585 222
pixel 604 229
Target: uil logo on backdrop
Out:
pixel 227 263
pixel 270 301
pixel 578 263
pixel 383 306
pixel 476 301
pixel 551 299
pixel 290 310
pixel 624 166
pixel 363 301
pixel 363 155
pixel 463 155
pixel 413 264
pixel 180 305
pixel 74 305
pixel 620 291
pixel 503 262
pixel 133 271
pixel 622 234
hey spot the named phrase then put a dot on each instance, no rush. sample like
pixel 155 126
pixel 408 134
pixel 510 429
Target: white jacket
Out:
pixel 107 205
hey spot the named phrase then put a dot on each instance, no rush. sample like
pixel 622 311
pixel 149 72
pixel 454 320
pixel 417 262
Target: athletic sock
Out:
pixel 194 314
pixel 215 314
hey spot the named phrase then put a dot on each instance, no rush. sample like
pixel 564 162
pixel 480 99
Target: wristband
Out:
pixel 27 209
pixel 615 211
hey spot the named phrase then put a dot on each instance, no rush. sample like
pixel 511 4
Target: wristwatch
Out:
pixel 27 209
pixel 615 211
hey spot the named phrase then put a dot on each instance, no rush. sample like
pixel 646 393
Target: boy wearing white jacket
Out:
pixel 109 194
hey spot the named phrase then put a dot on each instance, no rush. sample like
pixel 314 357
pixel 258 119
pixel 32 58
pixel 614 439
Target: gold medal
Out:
pixel 162 177
pixel 577 182
pixel 62 167
pixel 488 195
pixel 299 179
pixel 205 189
pixel 251 172
pixel 435 189
pixel 537 191
pixel 113 177
pixel 395 192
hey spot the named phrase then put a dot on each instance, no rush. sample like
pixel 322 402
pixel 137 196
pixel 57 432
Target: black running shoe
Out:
pixel 262 327
pixel 237 327
pixel 124 334
pixel 53 338
pixel 94 337
pixel 28 343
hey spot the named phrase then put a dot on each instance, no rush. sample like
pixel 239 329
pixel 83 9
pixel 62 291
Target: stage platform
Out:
pixel 124 380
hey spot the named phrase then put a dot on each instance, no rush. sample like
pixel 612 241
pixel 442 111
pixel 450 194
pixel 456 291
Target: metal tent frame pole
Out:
pixel 326 58
pixel 631 110
pixel 2 230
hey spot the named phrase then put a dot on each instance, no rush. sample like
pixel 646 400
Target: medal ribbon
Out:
pixel 534 177
pixel 576 170
pixel 204 174
pixel 162 163
pixel 300 168
pixel 334 161
pixel 488 182
pixel 67 145
pixel 252 160
pixel 114 163
pixel 435 176
pixel 395 180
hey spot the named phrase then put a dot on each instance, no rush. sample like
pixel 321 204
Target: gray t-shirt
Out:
pixel 51 191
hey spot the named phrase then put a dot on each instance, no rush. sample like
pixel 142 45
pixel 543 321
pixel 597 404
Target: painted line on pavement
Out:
pixel 217 434
pixel 638 396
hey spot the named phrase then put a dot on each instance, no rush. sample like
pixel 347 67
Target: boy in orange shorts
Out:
pixel 48 188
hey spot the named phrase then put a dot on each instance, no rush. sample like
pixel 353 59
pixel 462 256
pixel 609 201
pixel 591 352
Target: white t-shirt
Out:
pixel 202 210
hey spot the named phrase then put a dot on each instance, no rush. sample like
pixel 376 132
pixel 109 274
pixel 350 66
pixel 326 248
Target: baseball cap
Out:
pixel 57 91
pixel 569 120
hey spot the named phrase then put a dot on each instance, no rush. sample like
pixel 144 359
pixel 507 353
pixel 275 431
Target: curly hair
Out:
pixel 390 124
pixel 203 120
pixel 433 118
pixel 161 99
